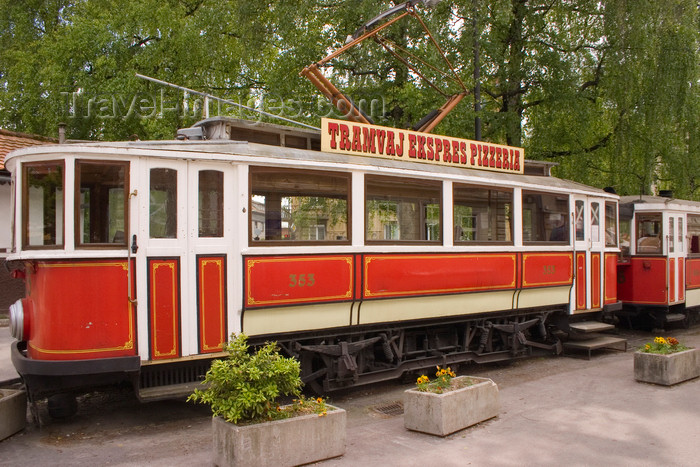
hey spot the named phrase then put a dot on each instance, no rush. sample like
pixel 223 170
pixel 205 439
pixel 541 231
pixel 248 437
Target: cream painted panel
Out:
pixel 401 309
pixel 692 298
pixel 295 318
pixel 545 296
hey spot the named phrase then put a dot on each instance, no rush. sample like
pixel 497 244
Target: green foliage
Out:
pixel 245 386
pixel 610 90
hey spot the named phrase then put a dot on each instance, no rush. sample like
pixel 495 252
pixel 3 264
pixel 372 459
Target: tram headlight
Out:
pixel 19 319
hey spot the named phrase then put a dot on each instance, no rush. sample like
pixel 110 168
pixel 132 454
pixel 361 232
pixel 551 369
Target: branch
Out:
pixel 141 42
pixel 192 8
pixel 601 143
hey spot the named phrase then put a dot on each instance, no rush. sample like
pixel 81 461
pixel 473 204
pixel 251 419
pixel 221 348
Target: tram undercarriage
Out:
pixel 367 356
pixel 648 318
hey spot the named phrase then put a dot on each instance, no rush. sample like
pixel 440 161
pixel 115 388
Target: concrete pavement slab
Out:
pixel 555 411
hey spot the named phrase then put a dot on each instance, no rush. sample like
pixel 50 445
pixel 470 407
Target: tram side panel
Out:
pixel 397 287
pixel 643 280
pixel 692 282
pixel 610 288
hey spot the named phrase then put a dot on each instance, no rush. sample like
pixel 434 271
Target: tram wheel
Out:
pixel 313 372
pixel 62 406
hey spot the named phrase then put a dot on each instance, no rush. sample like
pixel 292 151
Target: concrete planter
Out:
pixel 667 369
pixel 289 442
pixel 13 412
pixel 442 414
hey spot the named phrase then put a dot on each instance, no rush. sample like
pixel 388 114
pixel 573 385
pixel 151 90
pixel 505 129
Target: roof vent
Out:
pixel 195 133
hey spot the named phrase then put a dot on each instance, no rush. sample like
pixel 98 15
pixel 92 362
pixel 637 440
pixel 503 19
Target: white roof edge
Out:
pixel 285 155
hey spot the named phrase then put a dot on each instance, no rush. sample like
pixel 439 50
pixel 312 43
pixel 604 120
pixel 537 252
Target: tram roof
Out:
pixel 246 152
pixel 658 202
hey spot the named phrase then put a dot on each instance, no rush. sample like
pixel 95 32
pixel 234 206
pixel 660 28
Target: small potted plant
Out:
pixel 249 427
pixel 666 361
pixel 449 403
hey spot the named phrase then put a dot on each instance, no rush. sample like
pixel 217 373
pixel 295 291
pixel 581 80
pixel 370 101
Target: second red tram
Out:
pixel 659 269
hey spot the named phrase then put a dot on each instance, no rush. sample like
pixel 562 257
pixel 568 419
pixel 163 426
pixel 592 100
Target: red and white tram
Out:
pixel 364 251
pixel 659 269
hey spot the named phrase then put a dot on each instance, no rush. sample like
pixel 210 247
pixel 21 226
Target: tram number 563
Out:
pixel 301 280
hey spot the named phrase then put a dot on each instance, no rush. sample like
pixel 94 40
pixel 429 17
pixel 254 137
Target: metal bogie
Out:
pixel 340 361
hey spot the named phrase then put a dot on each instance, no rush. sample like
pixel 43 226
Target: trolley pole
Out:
pixel 477 73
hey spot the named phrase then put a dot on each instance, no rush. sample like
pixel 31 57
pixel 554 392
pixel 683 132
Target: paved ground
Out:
pixel 555 411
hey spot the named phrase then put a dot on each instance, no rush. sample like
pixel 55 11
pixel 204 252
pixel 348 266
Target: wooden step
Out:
pixel 674 317
pixel 595 343
pixel 591 326
pixel 173 391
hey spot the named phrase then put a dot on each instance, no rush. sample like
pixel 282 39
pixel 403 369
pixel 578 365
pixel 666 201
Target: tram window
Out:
pixel 595 222
pixel 694 233
pixel 671 236
pixel 101 198
pixel 545 217
pixel 680 234
pixel 482 214
pixel 211 203
pixel 295 206
pixel 625 230
pixel 579 217
pixel 649 233
pixel 43 204
pixel 400 210
pixel 610 224
pixel 163 203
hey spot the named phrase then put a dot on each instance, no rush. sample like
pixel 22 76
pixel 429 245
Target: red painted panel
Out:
pixel 211 286
pixel 672 280
pixel 681 279
pixel 164 307
pixel 692 277
pixel 595 280
pixel 80 310
pixel 643 281
pixel 581 276
pixel 293 280
pixel 409 275
pixel 610 289
pixel 547 269
pixel 358 278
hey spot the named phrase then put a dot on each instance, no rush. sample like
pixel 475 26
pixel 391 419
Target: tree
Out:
pixel 609 90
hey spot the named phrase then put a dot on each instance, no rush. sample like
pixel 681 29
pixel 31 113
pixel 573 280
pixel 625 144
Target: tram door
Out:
pixel 589 242
pixel 675 241
pixel 187 248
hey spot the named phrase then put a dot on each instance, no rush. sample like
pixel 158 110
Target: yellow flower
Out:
pixel 319 400
pixel 659 340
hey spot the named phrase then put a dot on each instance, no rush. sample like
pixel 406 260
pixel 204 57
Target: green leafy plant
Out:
pixel 663 346
pixel 244 387
pixel 442 382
